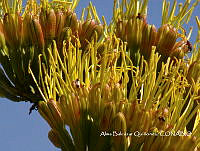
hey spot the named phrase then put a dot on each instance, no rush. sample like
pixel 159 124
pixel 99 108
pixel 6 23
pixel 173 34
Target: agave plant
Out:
pixel 119 87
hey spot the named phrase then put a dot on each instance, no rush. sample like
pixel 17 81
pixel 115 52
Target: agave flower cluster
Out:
pixel 118 87
pixel 24 37
pixel 100 108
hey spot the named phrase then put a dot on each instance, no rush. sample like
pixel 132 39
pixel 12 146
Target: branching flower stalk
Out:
pixel 119 87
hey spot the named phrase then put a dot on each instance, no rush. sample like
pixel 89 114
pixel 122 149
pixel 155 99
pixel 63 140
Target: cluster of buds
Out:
pixel 138 34
pixel 167 44
pixel 90 30
pixel 142 36
pixel 51 113
pixel 12 29
pixel 72 117
pixel 41 29
pixel 58 135
pixel 129 30
pixel 27 35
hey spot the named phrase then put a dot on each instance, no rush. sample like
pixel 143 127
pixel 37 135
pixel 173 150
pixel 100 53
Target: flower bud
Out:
pixel 2 37
pixel 134 33
pixel 50 25
pixel 120 29
pixel 130 30
pixel 108 114
pixel 45 112
pixel 71 21
pixel 1 26
pixel 94 98
pixel 119 132
pixel 36 32
pixel 117 93
pixel 130 115
pixel 60 22
pixel 98 29
pixel 133 116
pixel 10 27
pixel 42 20
pixel 166 39
pixel 55 111
pixel 146 122
pixel 148 40
pixel 75 108
pixel 65 110
pixel 89 30
pixel 106 92
pixel 74 24
pixel 68 17
pixel 19 27
pixel 26 34
pixel 53 137
pixel 193 72
pixel 87 24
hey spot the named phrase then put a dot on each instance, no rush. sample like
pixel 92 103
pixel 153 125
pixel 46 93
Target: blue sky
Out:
pixel 22 132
